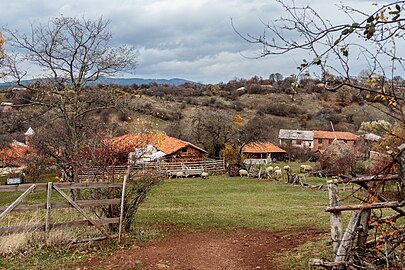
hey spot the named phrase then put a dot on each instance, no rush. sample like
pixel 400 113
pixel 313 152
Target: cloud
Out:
pixel 181 38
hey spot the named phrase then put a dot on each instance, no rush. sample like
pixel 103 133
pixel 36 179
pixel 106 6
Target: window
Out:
pixel 184 149
pixel 319 141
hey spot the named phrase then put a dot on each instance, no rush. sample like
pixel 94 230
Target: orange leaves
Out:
pixel 238 120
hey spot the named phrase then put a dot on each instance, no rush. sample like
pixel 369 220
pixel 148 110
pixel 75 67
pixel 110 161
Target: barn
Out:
pixel 154 147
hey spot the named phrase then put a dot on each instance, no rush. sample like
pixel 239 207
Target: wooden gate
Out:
pixel 50 205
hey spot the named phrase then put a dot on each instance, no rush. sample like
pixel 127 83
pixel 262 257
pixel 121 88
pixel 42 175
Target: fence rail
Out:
pixel 49 206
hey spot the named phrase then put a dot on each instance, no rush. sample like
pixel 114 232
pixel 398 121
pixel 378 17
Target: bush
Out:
pixel 282 109
pixel 137 189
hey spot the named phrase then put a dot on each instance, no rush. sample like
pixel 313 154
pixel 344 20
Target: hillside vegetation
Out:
pixel 173 108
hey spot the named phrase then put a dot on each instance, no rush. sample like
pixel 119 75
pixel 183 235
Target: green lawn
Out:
pixel 225 201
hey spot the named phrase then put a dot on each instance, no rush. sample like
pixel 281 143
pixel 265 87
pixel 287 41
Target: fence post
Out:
pixel 336 225
pixel 124 184
pixel 48 208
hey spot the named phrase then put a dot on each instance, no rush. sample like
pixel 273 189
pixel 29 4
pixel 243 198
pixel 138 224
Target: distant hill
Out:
pixel 140 81
pixel 118 81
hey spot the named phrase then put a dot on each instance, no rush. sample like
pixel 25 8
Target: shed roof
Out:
pixel 14 153
pixel 162 142
pixel 291 134
pixel 340 135
pixel 262 147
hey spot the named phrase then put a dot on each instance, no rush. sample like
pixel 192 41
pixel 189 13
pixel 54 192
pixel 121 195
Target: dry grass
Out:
pixel 15 243
pixel 32 239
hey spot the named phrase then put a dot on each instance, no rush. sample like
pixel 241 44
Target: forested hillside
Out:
pixel 179 110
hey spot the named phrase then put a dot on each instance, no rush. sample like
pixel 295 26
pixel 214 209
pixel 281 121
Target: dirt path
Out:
pixel 237 249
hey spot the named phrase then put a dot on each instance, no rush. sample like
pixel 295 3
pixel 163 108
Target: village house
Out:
pixel 14 154
pixel 296 138
pixel 262 153
pixel 322 139
pixel 315 140
pixel 6 107
pixel 154 147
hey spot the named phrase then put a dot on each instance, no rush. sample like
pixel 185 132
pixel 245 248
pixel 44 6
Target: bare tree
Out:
pixel 73 54
pixel 212 129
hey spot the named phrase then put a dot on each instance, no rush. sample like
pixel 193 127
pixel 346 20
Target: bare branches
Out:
pixel 367 38
pixel 73 53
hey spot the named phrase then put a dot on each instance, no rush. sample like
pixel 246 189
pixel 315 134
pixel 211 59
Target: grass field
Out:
pixel 218 201
pixel 224 201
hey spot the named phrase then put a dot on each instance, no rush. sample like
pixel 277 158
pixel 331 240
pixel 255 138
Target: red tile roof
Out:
pixel 162 142
pixel 262 147
pixel 318 134
pixel 13 154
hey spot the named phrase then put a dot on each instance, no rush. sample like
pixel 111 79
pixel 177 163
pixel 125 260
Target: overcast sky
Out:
pixel 189 39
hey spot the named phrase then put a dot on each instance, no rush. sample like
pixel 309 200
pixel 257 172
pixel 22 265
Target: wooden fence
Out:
pixel 359 223
pixel 50 205
pixel 165 169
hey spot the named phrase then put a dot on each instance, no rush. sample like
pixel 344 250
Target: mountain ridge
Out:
pixel 119 81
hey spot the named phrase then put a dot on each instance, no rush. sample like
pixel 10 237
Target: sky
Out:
pixel 188 39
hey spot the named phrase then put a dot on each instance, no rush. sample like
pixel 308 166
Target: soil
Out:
pixel 236 249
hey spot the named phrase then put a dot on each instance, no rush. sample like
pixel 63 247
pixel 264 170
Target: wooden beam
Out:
pixel 16 202
pixel 41 227
pixel 364 227
pixel 60 185
pixel 362 206
pixel 81 211
pixel 366 179
pixel 48 207
pixel 346 243
pixel 62 205
pixel 324 263
pixel 336 225
pixel 122 207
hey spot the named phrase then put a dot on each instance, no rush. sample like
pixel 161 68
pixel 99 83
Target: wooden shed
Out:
pixel 262 153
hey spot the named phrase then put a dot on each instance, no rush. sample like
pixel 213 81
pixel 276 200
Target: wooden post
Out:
pixel 363 234
pixel 48 208
pixel 336 225
pixel 346 243
pixel 16 202
pixel 122 208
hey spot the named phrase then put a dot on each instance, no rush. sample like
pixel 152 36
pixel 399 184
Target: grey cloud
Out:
pixel 181 38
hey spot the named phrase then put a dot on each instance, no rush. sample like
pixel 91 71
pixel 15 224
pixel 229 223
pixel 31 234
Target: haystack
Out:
pixel 338 158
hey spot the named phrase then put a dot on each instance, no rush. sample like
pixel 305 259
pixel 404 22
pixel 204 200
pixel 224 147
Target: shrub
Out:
pixel 137 189
pixel 282 109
